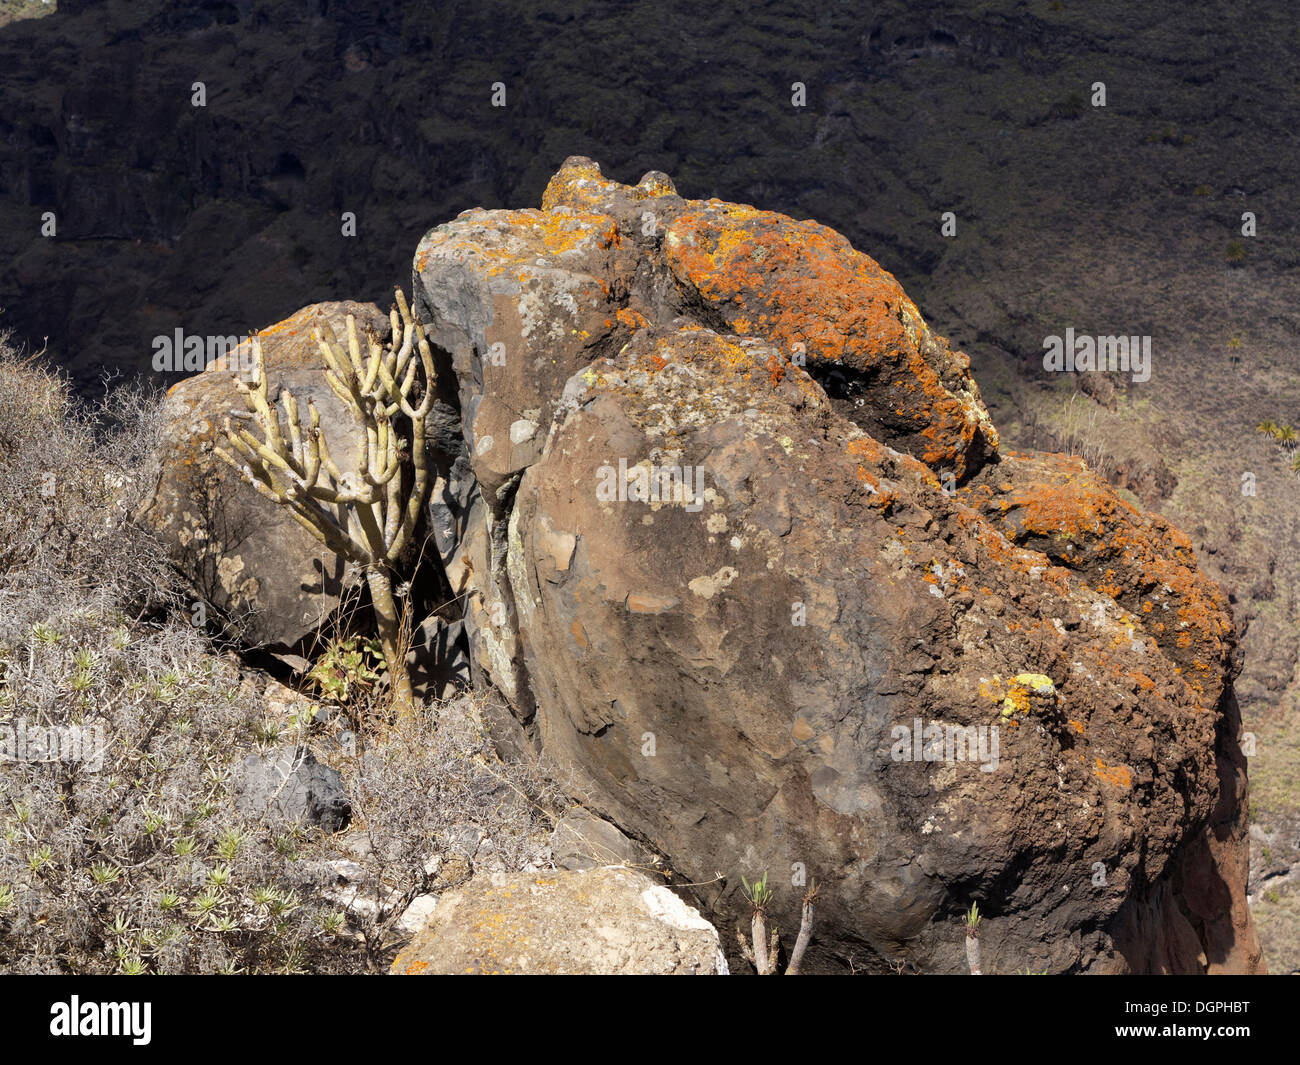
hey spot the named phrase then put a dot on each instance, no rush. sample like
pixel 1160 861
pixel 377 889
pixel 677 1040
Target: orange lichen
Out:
pixel 1136 559
pixel 775 370
pixel 733 255
pixel 631 319
pixel 1119 775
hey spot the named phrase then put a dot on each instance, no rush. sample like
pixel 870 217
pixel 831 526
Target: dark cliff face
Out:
pixel 225 217
pixel 1109 220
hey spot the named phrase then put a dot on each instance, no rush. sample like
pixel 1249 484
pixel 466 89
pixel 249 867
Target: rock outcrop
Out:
pixel 603 921
pixel 269 578
pixel 739 546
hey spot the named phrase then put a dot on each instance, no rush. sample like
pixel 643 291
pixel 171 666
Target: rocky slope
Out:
pixel 1114 219
pixel 737 543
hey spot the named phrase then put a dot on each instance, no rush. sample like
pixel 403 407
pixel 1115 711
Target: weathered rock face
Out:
pixel 242 553
pixel 777 603
pixel 597 922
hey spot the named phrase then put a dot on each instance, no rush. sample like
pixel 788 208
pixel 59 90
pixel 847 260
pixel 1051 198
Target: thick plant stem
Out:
pixel 763 962
pixel 805 935
pixel 390 637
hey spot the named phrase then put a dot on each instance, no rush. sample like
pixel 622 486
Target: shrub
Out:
pixel 133 857
pixel 127 857
pixel 432 805
pixel 366 513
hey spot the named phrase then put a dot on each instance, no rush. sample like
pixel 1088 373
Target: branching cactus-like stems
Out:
pixel 763 954
pixel 805 931
pixel 367 513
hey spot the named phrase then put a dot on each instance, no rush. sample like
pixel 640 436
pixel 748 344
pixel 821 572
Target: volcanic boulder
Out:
pixel 777 603
pixel 244 555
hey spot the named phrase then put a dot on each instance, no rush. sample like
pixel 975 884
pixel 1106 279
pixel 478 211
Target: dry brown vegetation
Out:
pixel 136 858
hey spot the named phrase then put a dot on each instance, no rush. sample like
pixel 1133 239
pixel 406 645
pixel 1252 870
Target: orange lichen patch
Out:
pixel 775 370
pixel 865 447
pixel 1076 725
pixel 1119 775
pixel 1058 579
pixel 879 496
pixel 1137 559
pixel 1016 700
pixel 1067 510
pixel 735 256
pixel 629 318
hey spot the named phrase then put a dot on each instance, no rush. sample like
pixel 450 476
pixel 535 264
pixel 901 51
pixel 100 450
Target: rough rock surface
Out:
pixel 582 841
pixel 603 921
pixel 291 786
pixel 762 537
pixel 242 553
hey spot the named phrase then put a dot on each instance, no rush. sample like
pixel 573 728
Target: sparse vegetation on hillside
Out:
pixel 122 846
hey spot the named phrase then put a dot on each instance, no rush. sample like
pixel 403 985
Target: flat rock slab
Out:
pixel 611 920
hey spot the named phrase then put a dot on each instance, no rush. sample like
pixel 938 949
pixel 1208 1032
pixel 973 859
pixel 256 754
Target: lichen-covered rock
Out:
pixel 778 604
pixel 244 554
pixel 520 303
pixel 610 920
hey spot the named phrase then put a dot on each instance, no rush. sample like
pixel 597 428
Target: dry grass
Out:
pixel 135 857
